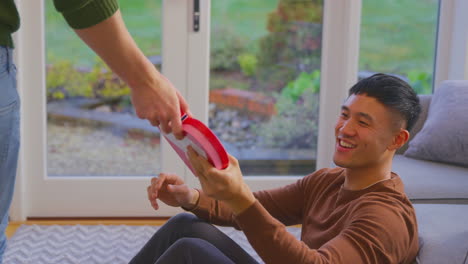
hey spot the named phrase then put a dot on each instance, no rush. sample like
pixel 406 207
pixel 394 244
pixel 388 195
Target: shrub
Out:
pixel 226 45
pixel 106 84
pixel 295 126
pixel 272 79
pixel 63 81
pixel 305 81
pixel 420 81
pixel 294 38
pixel 248 64
pixel 219 80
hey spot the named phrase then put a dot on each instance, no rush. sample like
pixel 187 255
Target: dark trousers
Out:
pixel 187 239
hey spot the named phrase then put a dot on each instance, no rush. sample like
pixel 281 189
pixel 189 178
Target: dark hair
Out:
pixel 393 93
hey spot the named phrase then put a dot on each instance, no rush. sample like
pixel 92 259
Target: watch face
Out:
pixel 202 140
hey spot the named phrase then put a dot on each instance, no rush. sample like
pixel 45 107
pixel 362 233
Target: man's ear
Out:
pixel 399 139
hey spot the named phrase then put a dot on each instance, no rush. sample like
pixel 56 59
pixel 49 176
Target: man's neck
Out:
pixel 361 178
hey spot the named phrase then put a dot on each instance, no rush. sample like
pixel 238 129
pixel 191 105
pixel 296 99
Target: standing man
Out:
pixel 96 22
pixel 356 212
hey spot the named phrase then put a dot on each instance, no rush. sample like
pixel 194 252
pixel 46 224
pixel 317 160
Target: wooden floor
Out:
pixel 12 226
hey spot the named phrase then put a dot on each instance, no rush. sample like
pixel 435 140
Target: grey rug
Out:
pixel 90 244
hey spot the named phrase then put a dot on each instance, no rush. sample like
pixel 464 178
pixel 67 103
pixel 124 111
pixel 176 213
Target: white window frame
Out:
pixel 339 70
pixel 452 42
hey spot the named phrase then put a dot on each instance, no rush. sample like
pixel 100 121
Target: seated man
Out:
pixel 354 213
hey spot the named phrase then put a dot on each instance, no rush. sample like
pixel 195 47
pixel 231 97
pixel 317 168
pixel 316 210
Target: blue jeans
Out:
pixel 9 137
pixel 187 239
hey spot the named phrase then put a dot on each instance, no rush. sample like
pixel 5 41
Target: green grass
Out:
pixel 143 19
pixel 219 80
pixel 248 18
pixel 396 35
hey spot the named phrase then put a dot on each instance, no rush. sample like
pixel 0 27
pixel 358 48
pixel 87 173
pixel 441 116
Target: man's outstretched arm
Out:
pixel 100 25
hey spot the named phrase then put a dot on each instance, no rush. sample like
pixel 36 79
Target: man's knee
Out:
pixel 189 243
pixel 189 225
pixel 182 219
pixel 187 250
pixel 184 248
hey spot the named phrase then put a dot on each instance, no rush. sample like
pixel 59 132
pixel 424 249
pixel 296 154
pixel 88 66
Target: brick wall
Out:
pixel 244 100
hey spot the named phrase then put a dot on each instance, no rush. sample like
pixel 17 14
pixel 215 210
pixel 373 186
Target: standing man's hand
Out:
pixel 160 103
pixel 153 96
pixel 224 185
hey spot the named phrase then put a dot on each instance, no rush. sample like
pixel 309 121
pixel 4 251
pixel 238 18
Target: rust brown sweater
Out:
pixel 374 225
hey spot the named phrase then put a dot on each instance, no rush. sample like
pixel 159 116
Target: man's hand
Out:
pixel 160 103
pixel 224 185
pixel 171 190
pixel 153 96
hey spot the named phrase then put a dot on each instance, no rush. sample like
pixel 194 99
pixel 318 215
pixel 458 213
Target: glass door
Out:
pixel 84 151
pixel 265 83
pixel 92 128
pixel 271 65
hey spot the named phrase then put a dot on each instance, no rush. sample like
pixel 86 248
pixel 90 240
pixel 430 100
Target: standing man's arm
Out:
pixel 100 25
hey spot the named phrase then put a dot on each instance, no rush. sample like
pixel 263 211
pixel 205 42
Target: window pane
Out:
pixel 399 37
pixel 265 83
pixel 92 127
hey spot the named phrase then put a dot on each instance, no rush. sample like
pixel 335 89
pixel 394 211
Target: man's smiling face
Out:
pixel 364 131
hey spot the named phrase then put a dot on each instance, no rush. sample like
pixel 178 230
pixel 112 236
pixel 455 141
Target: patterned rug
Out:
pixel 90 244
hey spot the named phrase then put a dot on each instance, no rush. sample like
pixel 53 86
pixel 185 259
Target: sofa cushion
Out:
pixel 444 136
pixel 432 181
pixel 425 101
pixel 443 233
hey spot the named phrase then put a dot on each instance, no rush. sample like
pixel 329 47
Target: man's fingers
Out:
pixel 153 180
pixel 155 187
pixel 184 107
pixel 151 198
pixel 154 122
pixel 165 127
pixel 161 121
pixel 160 180
pixel 233 160
pixel 183 104
pixel 152 118
pixel 194 159
pixel 199 163
pixel 176 125
pixel 150 193
pixel 155 204
pixel 156 183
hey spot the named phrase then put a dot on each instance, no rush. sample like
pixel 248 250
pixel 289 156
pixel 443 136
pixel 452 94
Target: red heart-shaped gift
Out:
pixel 202 140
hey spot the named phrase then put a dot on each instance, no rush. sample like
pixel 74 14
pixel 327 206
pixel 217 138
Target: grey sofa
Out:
pixel 439 192
pixel 429 181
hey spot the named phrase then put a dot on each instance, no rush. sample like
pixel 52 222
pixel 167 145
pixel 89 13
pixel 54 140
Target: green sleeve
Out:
pixel 81 14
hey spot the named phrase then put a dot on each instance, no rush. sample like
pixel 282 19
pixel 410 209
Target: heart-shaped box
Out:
pixel 202 140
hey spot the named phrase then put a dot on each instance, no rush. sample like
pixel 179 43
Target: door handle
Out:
pixel 196 15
